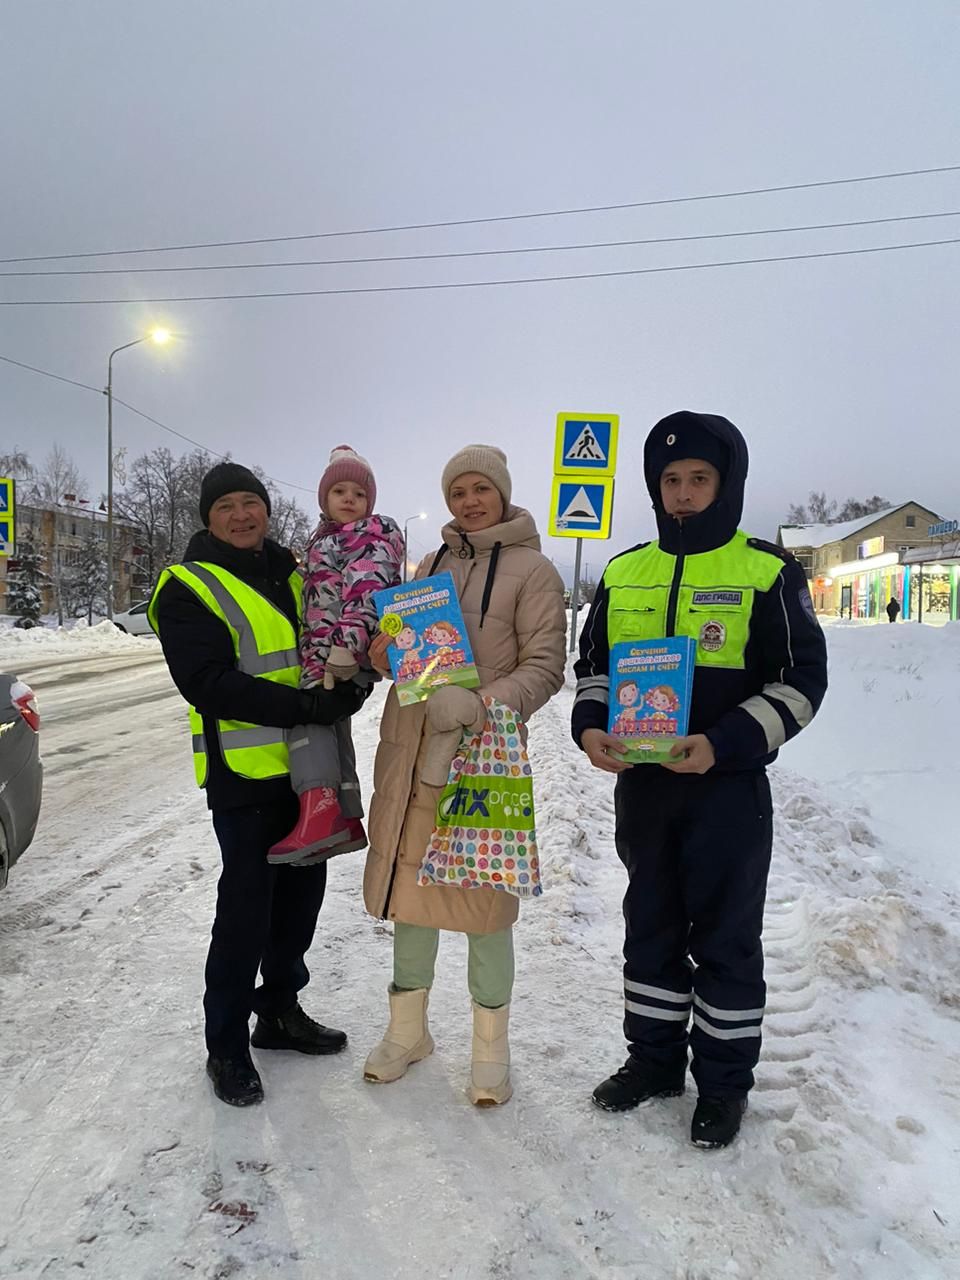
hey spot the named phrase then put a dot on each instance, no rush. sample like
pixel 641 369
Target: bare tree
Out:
pixel 822 511
pixel 162 499
pixel 818 509
pixel 289 523
pixel 59 477
pixel 194 466
pixel 587 589
pixel 855 509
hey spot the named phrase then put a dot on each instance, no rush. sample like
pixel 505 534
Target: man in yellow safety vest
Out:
pixel 228 618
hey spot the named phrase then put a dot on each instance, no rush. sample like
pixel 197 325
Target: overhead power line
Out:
pixel 47 374
pixel 140 414
pixel 508 217
pixel 482 253
pixel 475 284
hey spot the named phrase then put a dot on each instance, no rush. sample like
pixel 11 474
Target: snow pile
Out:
pixel 20 646
pixel 885 741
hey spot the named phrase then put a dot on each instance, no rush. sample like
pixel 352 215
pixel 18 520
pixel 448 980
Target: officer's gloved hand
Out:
pixel 330 705
pixel 340 665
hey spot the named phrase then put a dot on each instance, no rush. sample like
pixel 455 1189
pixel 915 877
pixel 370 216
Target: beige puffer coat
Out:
pixel 519 652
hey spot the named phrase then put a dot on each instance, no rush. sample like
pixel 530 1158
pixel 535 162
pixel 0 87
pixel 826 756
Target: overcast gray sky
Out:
pixel 129 125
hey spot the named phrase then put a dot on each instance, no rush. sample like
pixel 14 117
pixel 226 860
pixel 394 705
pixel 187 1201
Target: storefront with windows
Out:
pixel 862 588
pixel 933 576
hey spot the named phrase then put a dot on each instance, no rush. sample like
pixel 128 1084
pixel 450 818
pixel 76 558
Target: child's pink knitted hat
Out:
pixel 346 464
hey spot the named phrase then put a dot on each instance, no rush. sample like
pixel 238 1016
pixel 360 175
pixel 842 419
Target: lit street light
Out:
pixel 421 515
pixel 159 336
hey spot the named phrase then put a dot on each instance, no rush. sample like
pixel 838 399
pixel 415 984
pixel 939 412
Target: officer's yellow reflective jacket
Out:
pixel 760 670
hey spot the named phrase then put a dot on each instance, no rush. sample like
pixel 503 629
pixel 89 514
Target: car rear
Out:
pixel 21 770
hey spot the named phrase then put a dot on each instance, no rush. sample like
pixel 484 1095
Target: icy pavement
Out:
pixel 118 1161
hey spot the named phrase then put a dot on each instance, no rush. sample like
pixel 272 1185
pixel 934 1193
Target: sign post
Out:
pixel 581 503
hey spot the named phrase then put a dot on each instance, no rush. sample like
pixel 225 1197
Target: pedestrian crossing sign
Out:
pixel 7 505
pixel 586 442
pixel 581 506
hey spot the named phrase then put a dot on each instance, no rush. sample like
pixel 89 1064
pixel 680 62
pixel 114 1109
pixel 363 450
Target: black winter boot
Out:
pixel 294 1030
pixel 635 1083
pixel 235 1080
pixel 716 1121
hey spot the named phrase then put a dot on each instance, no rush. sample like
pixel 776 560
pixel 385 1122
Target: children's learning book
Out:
pixel 651 683
pixel 429 646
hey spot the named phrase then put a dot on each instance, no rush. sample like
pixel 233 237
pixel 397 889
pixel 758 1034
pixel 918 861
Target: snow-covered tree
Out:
pixel 25 583
pixel 87 581
pixel 16 464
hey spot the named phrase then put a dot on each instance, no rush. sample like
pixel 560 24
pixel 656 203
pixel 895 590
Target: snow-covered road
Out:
pixel 118 1161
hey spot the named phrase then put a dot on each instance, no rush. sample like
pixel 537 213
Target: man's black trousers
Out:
pixel 265 920
pixel 697 851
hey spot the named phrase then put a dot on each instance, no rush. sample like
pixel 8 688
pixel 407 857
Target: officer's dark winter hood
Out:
pixel 715 439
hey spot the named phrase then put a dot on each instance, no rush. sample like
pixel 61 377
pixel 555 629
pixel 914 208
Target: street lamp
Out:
pixel 159 336
pixel 421 515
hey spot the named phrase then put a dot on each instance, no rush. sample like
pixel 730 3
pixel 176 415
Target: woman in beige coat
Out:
pixel 512 602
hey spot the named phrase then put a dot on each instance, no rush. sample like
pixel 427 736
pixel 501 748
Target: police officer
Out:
pixel 227 618
pixel 695 835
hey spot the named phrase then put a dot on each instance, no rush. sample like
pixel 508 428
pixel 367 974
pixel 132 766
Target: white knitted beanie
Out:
pixel 486 460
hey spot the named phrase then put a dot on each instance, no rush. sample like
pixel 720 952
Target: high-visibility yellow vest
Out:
pixel 708 596
pixel 265 645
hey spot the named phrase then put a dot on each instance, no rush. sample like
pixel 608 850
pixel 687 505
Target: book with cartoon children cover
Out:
pixel 651 682
pixel 429 645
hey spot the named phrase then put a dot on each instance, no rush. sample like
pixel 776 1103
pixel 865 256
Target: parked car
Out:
pixel 21 772
pixel 134 620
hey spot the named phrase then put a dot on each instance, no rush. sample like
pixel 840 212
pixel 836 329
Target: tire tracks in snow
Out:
pixel 807 1102
pixel 126 847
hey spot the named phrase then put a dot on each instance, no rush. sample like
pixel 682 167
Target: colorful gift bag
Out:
pixel 485 835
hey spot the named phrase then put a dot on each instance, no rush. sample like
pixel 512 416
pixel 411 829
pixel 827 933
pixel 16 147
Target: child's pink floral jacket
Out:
pixel 343 566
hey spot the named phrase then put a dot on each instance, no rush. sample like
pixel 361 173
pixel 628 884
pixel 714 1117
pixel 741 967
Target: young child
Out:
pixel 351 554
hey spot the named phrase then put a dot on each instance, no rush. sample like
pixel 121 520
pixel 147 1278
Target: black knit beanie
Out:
pixel 228 477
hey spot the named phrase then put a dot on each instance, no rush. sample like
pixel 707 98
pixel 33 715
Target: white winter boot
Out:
pixel 490 1069
pixel 407 1039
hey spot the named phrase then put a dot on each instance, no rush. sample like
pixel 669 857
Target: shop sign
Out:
pixel 871 547
pixel 944 527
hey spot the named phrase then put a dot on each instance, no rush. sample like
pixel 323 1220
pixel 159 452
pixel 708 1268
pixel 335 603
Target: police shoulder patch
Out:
pixel 806 604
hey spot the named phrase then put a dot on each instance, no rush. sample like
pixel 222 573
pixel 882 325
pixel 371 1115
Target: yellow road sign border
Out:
pixel 591 478
pixel 561 467
pixel 8 549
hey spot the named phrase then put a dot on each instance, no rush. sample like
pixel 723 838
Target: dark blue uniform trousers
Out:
pixel 697 851
pixel 265 921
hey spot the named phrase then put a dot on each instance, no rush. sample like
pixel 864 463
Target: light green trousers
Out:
pixel 490 964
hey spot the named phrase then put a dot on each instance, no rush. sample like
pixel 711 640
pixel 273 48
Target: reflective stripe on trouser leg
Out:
pixel 314 757
pixel 656 972
pixel 727 851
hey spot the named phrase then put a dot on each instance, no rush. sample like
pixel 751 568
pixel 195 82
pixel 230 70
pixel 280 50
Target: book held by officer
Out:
pixel 651 683
pixel 429 645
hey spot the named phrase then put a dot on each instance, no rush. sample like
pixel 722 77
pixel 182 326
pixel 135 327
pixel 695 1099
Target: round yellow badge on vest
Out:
pixel 391 624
